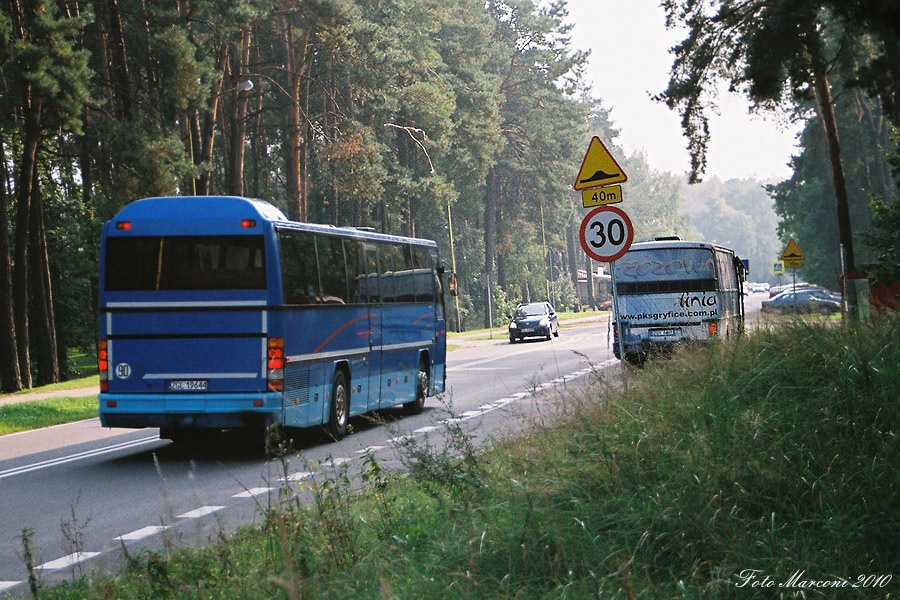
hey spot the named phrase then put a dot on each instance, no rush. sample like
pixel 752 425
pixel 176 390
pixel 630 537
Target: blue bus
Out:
pixel 220 313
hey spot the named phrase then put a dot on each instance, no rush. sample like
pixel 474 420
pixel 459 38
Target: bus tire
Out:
pixel 418 405
pixel 340 406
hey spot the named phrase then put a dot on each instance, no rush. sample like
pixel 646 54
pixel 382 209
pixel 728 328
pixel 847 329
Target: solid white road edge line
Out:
pixel 73 457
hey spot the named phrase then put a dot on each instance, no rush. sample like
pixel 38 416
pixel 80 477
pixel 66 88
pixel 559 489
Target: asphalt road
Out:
pixel 86 493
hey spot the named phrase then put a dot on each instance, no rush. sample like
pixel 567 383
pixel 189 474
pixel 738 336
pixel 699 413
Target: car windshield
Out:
pixel 530 310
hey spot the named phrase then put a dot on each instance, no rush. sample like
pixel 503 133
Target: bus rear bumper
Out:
pixel 202 411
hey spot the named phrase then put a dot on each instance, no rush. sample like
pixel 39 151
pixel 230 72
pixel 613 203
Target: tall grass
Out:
pixel 778 453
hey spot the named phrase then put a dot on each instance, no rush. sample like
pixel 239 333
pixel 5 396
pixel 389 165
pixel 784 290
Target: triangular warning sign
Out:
pixel 792 252
pixel 598 168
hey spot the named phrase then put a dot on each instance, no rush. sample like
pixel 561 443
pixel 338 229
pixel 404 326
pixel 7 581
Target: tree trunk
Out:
pixel 239 115
pixel 119 59
pixel 490 240
pixel 10 377
pixel 208 133
pixel 31 112
pixel 44 325
pixel 826 105
pixel 572 249
pixel 294 65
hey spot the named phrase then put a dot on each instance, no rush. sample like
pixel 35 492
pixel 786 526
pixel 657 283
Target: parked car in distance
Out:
pixel 756 287
pixel 605 305
pixel 535 319
pixel 806 300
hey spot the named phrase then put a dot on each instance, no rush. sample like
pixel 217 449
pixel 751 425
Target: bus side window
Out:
pixel 355 272
pixel 332 270
pixel 299 272
pixel 404 275
pixel 388 257
pixel 424 274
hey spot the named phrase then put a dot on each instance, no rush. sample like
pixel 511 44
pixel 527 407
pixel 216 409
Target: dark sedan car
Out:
pixel 537 319
pixel 808 300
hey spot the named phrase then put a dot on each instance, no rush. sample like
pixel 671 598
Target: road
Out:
pixel 86 493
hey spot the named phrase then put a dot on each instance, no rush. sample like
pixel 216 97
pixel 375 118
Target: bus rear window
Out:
pixel 666 264
pixel 226 262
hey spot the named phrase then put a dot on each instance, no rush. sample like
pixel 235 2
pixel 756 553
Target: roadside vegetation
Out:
pixel 44 413
pixel 778 452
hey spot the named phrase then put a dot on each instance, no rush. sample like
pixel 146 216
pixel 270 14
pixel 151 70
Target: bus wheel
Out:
pixel 418 405
pixel 340 406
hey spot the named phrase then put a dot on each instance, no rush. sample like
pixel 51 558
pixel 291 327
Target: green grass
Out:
pixel 43 413
pixel 778 452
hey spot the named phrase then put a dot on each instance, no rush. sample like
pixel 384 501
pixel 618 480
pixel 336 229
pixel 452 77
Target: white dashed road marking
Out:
pixel 142 533
pixel 67 561
pixel 299 476
pixel 200 512
pixel 253 492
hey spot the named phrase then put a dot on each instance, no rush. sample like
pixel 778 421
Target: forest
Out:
pixel 409 116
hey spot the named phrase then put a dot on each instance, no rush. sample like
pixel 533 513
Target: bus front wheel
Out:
pixel 340 406
pixel 418 405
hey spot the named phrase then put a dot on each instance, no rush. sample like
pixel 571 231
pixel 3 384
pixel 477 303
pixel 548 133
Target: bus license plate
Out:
pixel 188 385
pixel 664 333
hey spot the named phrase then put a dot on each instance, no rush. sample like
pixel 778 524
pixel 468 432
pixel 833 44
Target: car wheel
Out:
pixel 417 405
pixel 340 406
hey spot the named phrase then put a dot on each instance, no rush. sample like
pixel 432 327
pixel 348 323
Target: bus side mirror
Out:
pixel 452 284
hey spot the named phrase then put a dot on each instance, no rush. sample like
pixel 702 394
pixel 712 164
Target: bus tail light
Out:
pixel 275 365
pixel 103 364
pixel 125 225
pixel 713 327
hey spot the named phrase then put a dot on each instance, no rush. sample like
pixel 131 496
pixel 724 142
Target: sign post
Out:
pixel 606 234
pixel 793 258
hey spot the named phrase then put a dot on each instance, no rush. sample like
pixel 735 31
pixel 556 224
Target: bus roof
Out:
pixel 207 209
pixel 676 244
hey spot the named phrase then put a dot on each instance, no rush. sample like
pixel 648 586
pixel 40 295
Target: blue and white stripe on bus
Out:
pixel 207 304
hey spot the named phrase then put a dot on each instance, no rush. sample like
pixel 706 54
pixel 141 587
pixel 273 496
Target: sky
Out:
pixel 630 61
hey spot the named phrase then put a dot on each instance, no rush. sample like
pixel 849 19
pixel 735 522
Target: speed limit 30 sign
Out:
pixel 606 233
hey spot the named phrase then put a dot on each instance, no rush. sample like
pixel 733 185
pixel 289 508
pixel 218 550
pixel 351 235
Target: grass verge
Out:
pixel 777 453
pixel 43 413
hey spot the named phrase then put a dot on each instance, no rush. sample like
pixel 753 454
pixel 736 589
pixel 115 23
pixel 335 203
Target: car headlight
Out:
pixel 545 322
pixel 512 325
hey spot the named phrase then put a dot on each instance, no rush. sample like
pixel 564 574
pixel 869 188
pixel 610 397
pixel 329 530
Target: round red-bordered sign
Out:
pixel 606 233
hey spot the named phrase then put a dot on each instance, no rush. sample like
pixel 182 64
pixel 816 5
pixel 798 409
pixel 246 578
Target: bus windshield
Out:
pixel 227 262
pixel 659 270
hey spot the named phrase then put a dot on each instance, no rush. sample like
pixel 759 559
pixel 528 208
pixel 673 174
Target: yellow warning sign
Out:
pixel 792 253
pixel 598 168
pixel 601 196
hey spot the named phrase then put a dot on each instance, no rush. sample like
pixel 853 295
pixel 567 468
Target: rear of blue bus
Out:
pixel 184 322
pixel 666 295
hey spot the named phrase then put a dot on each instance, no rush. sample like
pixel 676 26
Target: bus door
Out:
pixel 370 264
pixel 438 373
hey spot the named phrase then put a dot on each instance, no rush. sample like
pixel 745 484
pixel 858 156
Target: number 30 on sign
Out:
pixel 606 233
